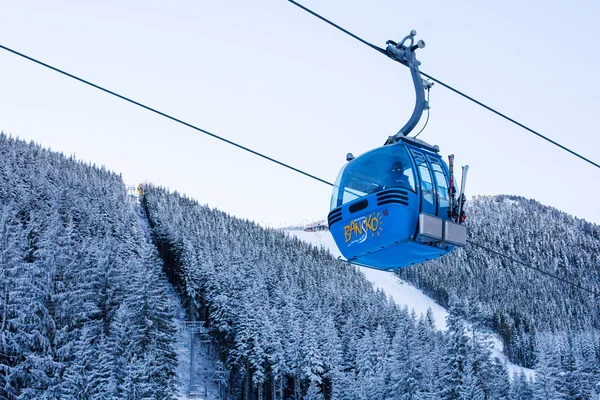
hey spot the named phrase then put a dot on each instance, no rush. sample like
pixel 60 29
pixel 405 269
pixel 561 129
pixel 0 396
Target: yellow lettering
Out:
pixel 368 221
pixel 375 224
pixel 354 228
pixel 371 223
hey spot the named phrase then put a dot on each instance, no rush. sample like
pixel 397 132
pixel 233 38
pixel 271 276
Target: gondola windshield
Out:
pixel 376 170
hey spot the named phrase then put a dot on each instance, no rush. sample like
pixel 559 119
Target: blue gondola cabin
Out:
pixel 389 207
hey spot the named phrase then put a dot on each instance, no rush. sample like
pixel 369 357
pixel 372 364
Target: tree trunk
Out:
pixel 247 382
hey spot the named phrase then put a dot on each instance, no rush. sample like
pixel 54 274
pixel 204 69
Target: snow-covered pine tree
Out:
pixel 69 240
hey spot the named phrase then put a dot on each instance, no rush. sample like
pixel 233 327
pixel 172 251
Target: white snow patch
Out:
pixel 513 369
pixel 297 225
pixel 512 202
pixel 405 294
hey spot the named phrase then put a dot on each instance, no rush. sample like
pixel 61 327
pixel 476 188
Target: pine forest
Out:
pixel 87 275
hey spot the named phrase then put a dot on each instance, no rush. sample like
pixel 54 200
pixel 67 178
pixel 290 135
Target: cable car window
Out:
pixel 382 168
pixel 426 183
pixel 428 205
pixel 442 188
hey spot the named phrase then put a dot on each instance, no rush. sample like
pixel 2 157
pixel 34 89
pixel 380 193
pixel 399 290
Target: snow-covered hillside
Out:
pixel 293 322
pixel 403 293
pixel 204 366
pixel 84 299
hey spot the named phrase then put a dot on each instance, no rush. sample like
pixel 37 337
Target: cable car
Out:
pixel 396 205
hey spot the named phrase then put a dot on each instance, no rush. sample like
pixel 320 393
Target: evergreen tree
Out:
pixel 472 388
pixel 500 383
pixel 456 356
pixel 406 372
pixel 544 386
pixel 69 244
pixel 521 388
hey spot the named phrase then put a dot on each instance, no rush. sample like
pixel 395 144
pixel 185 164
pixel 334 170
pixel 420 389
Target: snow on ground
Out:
pixel 204 369
pixel 402 292
pixel 405 294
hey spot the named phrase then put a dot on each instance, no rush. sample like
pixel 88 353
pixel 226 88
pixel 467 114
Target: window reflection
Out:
pixel 383 168
pixel 442 187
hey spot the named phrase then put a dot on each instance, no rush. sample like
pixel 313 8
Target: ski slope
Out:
pixel 405 294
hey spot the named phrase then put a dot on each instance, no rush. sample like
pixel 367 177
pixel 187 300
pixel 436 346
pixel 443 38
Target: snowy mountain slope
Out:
pixel 204 369
pixel 403 293
pixel 290 321
pixel 81 289
pixel 527 309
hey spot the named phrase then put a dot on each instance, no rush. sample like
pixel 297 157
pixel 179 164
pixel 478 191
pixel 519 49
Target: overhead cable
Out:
pixel 475 244
pixel 165 115
pixel 382 51
pixel 257 153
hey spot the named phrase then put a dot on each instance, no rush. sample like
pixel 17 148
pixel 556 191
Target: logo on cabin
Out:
pixel 358 230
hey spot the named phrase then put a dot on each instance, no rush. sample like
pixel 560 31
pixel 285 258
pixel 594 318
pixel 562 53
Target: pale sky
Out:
pixel 274 78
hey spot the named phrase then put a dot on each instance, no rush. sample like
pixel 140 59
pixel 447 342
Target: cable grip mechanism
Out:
pixel 404 52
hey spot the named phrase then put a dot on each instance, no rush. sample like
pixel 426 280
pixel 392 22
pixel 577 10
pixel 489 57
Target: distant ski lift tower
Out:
pixel 196 328
pixel 133 195
pixel 221 379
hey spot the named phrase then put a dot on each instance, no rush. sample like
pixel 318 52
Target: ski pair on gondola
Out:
pixel 396 205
